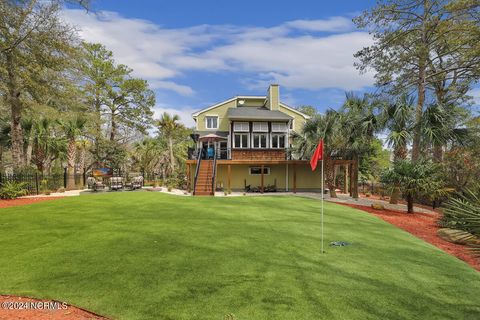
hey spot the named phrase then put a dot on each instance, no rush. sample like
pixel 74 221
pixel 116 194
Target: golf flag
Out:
pixel 318 155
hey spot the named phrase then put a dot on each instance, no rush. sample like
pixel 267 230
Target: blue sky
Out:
pixel 197 53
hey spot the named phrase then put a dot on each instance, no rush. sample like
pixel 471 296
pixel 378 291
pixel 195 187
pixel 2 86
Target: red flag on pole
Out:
pixel 318 155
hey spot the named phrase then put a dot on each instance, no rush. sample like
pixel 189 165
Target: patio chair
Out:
pixel 116 183
pixel 137 182
pixel 94 184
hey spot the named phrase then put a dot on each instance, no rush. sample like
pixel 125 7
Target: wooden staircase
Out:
pixel 203 186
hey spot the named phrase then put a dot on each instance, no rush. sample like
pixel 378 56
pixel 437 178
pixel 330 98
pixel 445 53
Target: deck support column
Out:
pixel 229 179
pixel 262 182
pixel 188 177
pixel 294 178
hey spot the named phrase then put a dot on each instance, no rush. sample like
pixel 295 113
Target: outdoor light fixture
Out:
pixel 195 137
pixel 241 102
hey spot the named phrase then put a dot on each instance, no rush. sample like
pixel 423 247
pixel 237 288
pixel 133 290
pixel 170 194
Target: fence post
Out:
pixel 65 177
pixel 36 182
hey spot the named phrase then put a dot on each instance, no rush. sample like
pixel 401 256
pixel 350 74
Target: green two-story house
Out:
pixel 244 143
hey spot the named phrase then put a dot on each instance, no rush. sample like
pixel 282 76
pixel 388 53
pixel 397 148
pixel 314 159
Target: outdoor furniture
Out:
pixel 116 183
pixel 93 184
pixel 137 182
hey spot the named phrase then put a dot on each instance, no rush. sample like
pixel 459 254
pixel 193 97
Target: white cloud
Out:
pixel 292 54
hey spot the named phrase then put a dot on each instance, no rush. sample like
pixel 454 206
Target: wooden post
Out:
pixel 355 179
pixel 229 172
pixel 350 175
pixel 345 179
pixel 294 178
pixel 261 187
pixel 188 177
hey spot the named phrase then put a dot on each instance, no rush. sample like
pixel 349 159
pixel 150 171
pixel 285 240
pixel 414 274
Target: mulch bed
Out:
pixel 24 201
pixel 20 308
pixel 423 226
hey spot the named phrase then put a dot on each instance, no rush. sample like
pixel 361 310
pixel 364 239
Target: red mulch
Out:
pixel 24 201
pixel 423 226
pixel 19 308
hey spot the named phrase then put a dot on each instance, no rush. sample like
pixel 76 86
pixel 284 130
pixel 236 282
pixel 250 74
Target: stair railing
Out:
pixel 199 160
pixel 214 169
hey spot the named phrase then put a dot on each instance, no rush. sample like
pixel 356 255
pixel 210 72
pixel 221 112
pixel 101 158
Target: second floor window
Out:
pixel 278 141
pixel 240 140
pixel 211 122
pixel 260 140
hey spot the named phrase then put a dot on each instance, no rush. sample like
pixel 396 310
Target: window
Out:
pixel 278 141
pixel 255 171
pixel 260 140
pixel 241 126
pixel 279 127
pixel 240 140
pixel 211 122
pixel 260 126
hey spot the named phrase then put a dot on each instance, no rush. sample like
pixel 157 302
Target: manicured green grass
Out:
pixel 144 255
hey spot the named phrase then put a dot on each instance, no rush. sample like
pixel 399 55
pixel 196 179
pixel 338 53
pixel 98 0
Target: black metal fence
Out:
pixel 37 183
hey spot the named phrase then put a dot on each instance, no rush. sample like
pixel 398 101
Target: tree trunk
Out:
pixel 113 127
pixel 409 203
pixel 172 159
pixel 16 133
pixel 422 74
pixel 71 155
pixel 355 177
pixel 81 162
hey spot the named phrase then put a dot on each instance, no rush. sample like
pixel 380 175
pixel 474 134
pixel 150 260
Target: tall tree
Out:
pixel 35 46
pixel 406 55
pixel 322 126
pixel 113 94
pixel 72 127
pixel 359 122
pixel 397 118
pixel 170 128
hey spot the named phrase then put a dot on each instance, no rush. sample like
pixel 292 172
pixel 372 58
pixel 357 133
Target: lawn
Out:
pixel 145 255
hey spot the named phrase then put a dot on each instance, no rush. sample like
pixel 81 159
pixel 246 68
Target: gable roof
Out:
pixel 195 114
pixel 256 113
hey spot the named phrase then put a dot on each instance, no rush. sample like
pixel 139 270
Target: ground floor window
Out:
pixel 255 171
pixel 260 140
pixel 240 140
pixel 278 141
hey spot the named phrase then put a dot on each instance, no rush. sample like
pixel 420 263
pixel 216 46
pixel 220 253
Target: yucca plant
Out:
pixel 463 212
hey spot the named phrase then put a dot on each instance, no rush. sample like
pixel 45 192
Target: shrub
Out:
pixel 61 190
pixel 463 211
pixel 13 190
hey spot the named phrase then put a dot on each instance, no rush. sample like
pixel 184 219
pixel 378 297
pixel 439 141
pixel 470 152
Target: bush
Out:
pixel 13 190
pixel 463 211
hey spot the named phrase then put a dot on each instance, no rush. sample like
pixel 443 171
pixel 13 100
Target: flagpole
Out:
pixel 322 204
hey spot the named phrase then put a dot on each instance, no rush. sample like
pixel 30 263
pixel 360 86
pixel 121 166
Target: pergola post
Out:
pixel 345 178
pixel 188 177
pixel 294 178
pixel 229 179
pixel 262 182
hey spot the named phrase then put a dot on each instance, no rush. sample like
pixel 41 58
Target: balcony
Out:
pixel 242 154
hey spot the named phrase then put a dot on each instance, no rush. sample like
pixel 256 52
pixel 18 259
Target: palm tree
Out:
pixel 398 119
pixel 322 126
pixel 359 122
pixel 440 126
pixel 72 128
pixel 147 154
pixel 415 179
pixel 47 145
pixel 169 128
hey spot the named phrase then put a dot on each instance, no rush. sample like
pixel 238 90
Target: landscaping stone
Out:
pixel 458 236
pixel 377 206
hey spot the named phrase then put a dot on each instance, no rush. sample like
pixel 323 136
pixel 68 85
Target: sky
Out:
pixel 198 53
